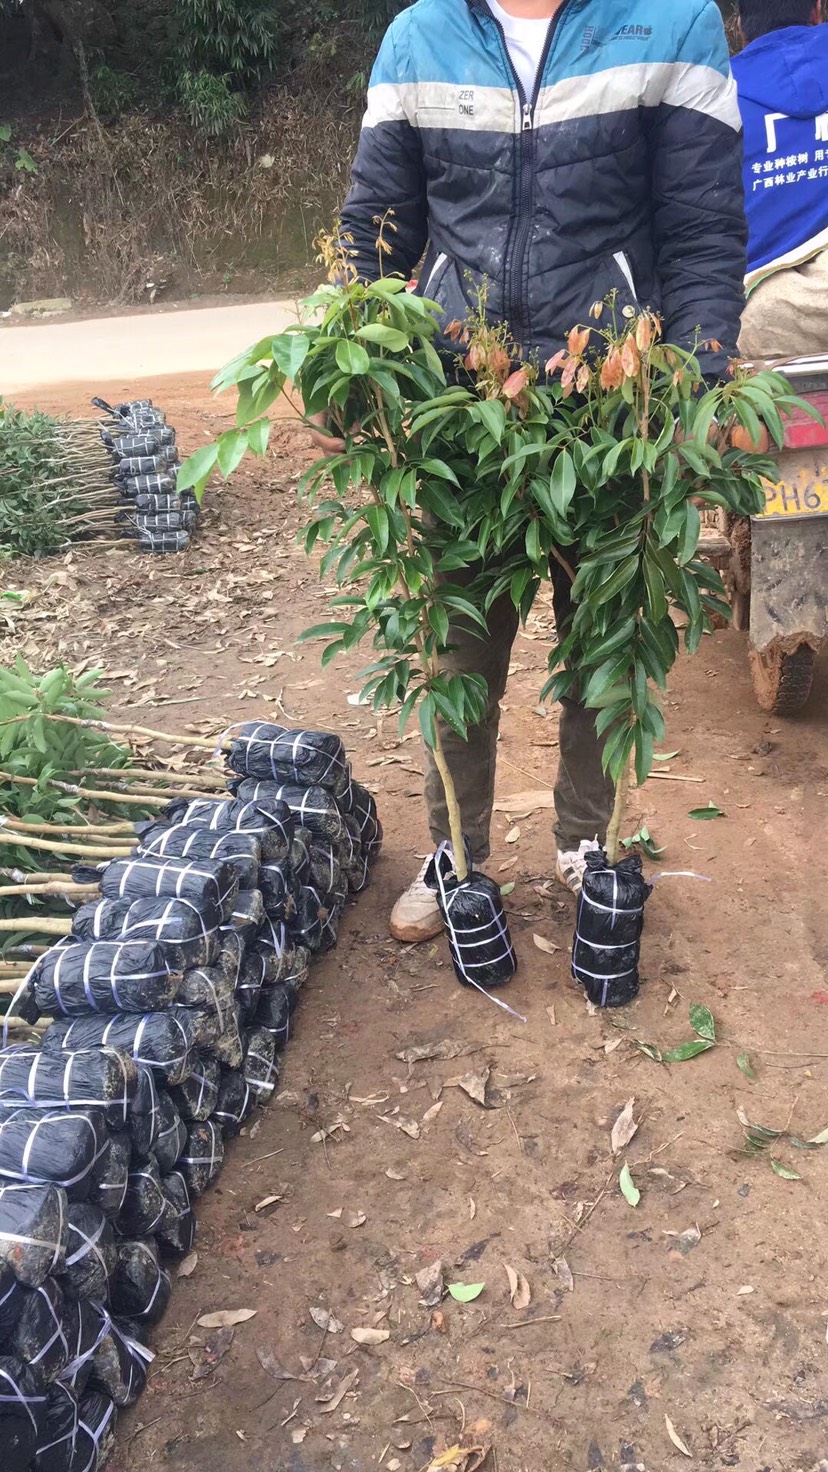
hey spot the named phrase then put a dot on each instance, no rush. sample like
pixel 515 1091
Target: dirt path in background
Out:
pixel 59 364
pixel 707 1303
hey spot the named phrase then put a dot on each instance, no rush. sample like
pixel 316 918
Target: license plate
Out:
pixel 787 498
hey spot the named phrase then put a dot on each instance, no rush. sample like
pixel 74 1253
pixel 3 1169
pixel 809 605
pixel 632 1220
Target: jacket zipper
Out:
pixel 517 295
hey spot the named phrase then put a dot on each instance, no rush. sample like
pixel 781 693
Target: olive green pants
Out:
pixel 583 794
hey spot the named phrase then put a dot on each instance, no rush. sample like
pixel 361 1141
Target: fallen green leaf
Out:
pixel 507 888
pixel 785 1171
pixel 703 815
pixel 702 1022
pixel 665 756
pixel 744 1064
pixel 629 1189
pixel 685 1051
pixel 650 1051
pixel 820 1139
pixel 465 1292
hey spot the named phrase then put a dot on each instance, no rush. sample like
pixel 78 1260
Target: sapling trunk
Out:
pixel 11 986
pixel 91 851
pixel 36 925
pixel 614 828
pixel 458 845
pixel 203 742
pixel 67 890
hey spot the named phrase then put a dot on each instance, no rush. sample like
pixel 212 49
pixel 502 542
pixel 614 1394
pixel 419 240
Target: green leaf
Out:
pixel 440 469
pixel 705 815
pixel 351 358
pixel 465 1292
pixel 197 467
pixel 563 482
pixel 785 1171
pixel 629 1189
pixel 685 1051
pixel 231 450
pixel 820 1139
pixel 702 1022
pixel 665 756
pixel 258 435
pixel 744 1064
pixel 387 337
pixel 289 351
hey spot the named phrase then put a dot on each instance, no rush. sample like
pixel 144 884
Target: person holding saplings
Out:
pixel 559 151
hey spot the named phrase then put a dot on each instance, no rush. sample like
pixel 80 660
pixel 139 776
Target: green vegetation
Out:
pixel 51 475
pixel 449 495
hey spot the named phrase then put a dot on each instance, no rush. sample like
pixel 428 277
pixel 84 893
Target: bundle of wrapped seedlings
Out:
pixel 172 997
pixel 146 465
pixel 66 1362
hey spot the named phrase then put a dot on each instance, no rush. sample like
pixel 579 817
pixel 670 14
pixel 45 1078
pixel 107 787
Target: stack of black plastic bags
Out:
pixel 172 1000
pixel 146 464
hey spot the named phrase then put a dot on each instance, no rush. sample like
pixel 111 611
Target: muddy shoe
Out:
pixel 571 865
pixel 416 916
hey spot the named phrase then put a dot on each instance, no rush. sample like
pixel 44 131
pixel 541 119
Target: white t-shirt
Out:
pixel 525 40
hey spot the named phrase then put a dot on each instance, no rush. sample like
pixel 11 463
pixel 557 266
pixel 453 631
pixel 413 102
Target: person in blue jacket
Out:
pixel 560 150
pixel 782 81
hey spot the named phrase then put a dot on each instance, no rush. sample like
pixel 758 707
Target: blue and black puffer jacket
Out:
pixel 622 172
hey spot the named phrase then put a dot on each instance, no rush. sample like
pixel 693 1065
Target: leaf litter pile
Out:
pixel 337 1341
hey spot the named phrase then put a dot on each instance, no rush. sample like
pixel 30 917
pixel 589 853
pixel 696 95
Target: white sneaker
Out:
pixel 416 915
pixel 571 865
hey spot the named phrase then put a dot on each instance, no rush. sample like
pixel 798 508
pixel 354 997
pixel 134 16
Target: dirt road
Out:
pixel 59 365
pixel 700 1314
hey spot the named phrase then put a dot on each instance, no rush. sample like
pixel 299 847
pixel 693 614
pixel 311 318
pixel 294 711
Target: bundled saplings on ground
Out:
pixel 143 448
pixel 172 997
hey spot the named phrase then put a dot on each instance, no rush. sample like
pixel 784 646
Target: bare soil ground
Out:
pixel 704 1309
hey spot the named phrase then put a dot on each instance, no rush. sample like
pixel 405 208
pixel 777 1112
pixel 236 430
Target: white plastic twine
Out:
pixel 681 874
pixel 445 849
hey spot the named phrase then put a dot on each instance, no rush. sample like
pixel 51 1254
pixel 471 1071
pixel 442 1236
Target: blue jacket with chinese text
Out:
pixel 782 81
pixel 622 173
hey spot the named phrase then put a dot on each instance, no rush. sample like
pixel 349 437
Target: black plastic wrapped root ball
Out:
pixel 478 934
pixel 607 945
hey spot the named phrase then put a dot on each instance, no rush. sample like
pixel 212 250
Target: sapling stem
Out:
pixel 22 840
pixel 461 868
pixel 67 890
pixel 614 830
pixel 90 725
pixel 34 925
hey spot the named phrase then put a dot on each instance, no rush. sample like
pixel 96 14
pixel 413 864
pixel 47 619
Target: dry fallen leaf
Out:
pixel 271 1366
pixel 520 1294
pixel 188 1266
pixel 563 1273
pixel 446 1048
pixel 329 1403
pixel 408 1127
pixel 349 1218
pixel 530 800
pixel 432 1113
pixel 298 1436
pixel 474 1084
pixel 395 1175
pixel 676 1439
pixel 324 1319
pixel 686 1241
pixel 430 1283
pixel 370 1336
pixel 513 835
pixel 267 1201
pixel 472 1209
pixel 226 1318
pixel 547 946
pixel 214 1350
pixel 624 1128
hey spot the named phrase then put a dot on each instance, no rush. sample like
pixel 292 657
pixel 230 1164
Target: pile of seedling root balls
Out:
pixel 172 995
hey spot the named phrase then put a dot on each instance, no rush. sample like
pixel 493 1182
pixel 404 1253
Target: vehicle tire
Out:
pixel 782 680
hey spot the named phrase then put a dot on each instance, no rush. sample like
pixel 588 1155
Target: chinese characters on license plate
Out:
pixel 808 498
